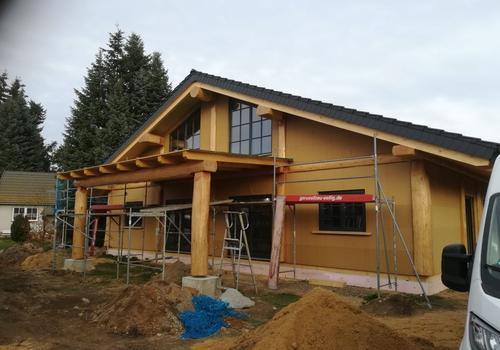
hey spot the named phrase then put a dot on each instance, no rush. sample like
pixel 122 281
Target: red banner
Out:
pixel 329 198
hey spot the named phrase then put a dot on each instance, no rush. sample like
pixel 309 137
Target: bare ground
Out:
pixel 45 310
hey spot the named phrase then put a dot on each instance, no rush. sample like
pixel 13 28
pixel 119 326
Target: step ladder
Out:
pixel 235 243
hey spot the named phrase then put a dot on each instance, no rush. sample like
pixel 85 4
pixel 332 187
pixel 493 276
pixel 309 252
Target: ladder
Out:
pixel 235 243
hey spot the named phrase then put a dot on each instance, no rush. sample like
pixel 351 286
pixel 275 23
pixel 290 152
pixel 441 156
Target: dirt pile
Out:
pixel 145 310
pixel 15 255
pixel 391 305
pixel 44 260
pixel 174 272
pixel 317 321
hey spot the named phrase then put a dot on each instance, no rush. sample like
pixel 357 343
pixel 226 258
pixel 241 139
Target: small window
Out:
pixel 30 212
pixel 137 222
pixel 342 216
pixel 187 135
pixel 250 134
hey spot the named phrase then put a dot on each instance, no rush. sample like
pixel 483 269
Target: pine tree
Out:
pixel 122 88
pixel 22 146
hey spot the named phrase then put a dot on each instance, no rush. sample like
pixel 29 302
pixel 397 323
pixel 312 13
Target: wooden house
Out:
pixel 216 139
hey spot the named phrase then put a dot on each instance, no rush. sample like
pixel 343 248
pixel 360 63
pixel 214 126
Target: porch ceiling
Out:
pixel 172 165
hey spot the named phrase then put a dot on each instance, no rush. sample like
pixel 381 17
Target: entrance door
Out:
pixel 260 218
pixel 469 223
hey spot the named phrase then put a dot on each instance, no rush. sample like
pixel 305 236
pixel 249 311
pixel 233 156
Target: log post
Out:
pixel 274 265
pixel 422 224
pixel 199 224
pixel 79 223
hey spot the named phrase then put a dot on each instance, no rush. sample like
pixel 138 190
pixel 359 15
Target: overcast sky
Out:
pixel 435 63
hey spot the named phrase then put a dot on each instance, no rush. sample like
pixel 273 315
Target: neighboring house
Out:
pixel 30 194
pixel 217 139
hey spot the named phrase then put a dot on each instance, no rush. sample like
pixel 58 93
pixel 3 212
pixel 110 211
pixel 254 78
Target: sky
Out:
pixel 435 63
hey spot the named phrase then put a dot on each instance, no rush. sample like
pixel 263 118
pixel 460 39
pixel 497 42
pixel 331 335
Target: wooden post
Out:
pixel 274 265
pixel 79 223
pixel 199 224
pixel 421 214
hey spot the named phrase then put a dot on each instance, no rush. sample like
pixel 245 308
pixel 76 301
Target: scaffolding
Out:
pixel 380 202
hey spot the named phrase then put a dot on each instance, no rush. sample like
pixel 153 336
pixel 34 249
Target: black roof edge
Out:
pixel 465 144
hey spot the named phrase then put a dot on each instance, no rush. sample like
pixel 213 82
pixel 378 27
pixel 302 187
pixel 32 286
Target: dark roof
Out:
pixel 27 188
pixel 452 141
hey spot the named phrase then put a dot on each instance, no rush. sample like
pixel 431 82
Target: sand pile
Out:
pixel 44 260
pixel 317 321
pixel 16 254
pixel 174 272
pixel 145 310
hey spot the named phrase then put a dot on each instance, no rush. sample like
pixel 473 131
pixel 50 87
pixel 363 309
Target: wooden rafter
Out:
pixel 152 139
pixel 268 112
pixel 201 94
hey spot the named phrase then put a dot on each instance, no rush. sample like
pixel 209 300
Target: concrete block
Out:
pixel 79 265
pixel 204 285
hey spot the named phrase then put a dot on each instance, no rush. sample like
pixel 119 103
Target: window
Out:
pixel 187 135
pixel 490 252
pixel 250 134
pixel 137 222
pixel 29 212
pixel 342 216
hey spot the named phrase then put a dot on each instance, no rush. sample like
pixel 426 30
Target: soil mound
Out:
pixel 174 272
pixel 44 260
pixel 15 255
pixel 145 310
pixel 317 321
pixel 391 305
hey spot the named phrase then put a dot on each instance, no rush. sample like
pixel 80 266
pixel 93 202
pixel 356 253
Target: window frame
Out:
pixel 191 119
pixel 323 224
pixel 24 213
pixel 253 120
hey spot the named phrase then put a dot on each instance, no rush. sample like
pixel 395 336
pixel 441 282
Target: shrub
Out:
pixel 20 229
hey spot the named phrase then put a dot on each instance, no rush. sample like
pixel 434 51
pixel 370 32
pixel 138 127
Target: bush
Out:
pixel 20 229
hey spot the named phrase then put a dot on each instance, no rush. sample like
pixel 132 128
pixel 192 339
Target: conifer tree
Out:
pixel 123 86
pixel 22 146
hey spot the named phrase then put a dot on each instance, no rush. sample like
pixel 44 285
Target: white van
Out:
pixel 479 274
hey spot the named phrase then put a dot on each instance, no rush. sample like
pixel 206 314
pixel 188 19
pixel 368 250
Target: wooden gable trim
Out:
pixel 432 149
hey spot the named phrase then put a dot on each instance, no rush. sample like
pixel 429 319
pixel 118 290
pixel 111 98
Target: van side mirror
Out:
pixel 455 264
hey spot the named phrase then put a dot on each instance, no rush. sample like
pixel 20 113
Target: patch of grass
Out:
pixel 6 243
pixel 370 297
pixel 280 300
pixel 138 274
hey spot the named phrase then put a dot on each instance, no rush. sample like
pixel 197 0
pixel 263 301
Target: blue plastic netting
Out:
pixel 207 318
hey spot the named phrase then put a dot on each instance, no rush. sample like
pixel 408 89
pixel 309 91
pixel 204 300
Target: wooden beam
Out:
pixel 107 169
pixel 228 158
pixel 199 224
pixel 341 164
pixel 421 219
pixel 213 127
pixel 268 112
pixel 152 139
pixel 91 171
pixel 281 139
pixel 153 174
pixel 274 264
pixel 145 163
pixel 403 151
pixel 77 174
pixel 164 160
pixel 79 223
pixel 125 166
pixel 201 94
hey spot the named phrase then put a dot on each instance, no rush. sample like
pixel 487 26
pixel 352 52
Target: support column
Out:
pixel 421 214
pixel 79 223
pixel 199 224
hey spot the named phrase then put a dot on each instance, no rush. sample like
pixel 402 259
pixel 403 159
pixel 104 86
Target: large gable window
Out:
pixel 250 134
pixel 342 216
pixel 187 135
